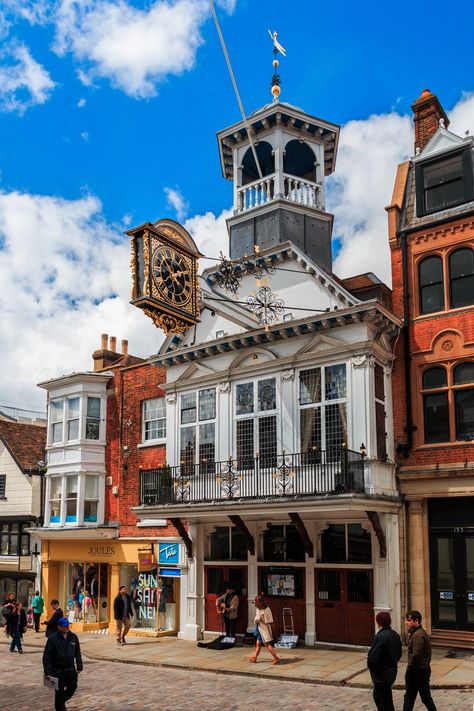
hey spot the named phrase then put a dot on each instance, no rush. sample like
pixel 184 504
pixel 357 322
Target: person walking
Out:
pixel 228 606
pixel 263 631
pixel 62 660
pixel 382 661
pixel 37 605
pixel 52 623
pixel 417 677
pixel 16 626
pixel 123 612
pixel 8 605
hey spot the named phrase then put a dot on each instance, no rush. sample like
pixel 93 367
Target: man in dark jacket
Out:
pixel 382 661
pixel 417 677
pixel 62 659
pixel 52 623
pixel 123 612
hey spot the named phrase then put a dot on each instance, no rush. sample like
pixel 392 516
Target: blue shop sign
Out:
pixel 170 572
pixel 168 553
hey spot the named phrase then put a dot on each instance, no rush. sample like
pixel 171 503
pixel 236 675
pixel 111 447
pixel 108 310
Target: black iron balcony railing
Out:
pixel 308 474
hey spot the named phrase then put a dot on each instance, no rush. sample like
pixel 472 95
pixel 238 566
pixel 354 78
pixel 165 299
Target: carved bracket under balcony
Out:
pixel 238 523
pixel 379 532
pixel 184 535
pixel 298 523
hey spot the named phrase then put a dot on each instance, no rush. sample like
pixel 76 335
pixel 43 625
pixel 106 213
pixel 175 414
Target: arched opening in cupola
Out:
pixel 299 160
pixel 266 160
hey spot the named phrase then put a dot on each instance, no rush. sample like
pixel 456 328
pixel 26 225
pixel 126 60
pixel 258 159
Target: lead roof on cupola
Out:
pixel 275 114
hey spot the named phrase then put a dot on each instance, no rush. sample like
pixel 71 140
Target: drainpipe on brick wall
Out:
pixel 407 447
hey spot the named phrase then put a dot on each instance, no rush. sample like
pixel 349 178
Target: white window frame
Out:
pixel 198 423
pixel 323 403
pixel 80 501
pixel 52 422
pixel 157 440
pixel 68 419
pixel 257 414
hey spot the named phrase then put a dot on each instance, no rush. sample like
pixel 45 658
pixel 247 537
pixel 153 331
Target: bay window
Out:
pixel 198 427
pixel 256 436
pixel 75 499
pixel 323 408
pixel 74 418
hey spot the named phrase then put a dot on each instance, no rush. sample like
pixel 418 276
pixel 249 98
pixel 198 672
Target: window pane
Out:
pixel 443 171
pixel 71 487
pixel 207 439
pixel 274 543
pixel 267 395
pixel 220 548
pixel 57 432
pixel 294 546
pixel 73 429
pixel 431 299
pixel 93 407
pixel 71 510
pixel 360 544
pixel 55 512
pixel 434 378
pixel 4 542
pixel 464 400
pixel 13 549
pixel 154 416
pixel 3 485
pixel 310 386
pixel 462 292
pixel 359 586
pixel 56 407
pixel 436 418
pixel 73 408
pixel 90 511
pixel 154 409
pixel 310 424
pixel 92 487
pixel 461 263
pixel 156 429
pixel 336 426
pixel 464 374
pixel 267 440
pixel 431 271
pixel 333 544
pixel 56 483
pixel 188 408
pixel 244 398
pixel 25 544
pixel 245 443
pixel 188 445
pixel 207 404
pixel 335 376
pixel 239 544
pixel 380 430
pixel 379 382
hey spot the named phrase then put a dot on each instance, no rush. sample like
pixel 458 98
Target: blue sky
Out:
pixel 108 116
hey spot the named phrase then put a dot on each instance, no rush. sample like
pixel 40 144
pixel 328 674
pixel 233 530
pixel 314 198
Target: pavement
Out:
pixel 313 665
pixel 134 686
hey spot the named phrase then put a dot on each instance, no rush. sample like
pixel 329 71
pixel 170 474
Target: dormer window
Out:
pixel 444 183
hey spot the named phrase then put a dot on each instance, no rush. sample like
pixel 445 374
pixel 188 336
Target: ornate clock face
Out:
pixel 171 275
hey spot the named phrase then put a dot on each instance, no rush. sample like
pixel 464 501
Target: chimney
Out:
pixel 113 344
pixel 427 112
pixel 124 347
pixel 107 354
pixel 104 340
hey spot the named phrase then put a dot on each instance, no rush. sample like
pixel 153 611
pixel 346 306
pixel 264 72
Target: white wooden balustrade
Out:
pixel 261 192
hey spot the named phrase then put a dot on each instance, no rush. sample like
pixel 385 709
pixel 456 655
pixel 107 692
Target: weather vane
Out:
pixel 276 77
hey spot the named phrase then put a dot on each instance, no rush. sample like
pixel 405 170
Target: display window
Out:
pixel 85 593
pixel 154 599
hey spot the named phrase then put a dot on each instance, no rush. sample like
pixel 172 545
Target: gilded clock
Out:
pixel 171 275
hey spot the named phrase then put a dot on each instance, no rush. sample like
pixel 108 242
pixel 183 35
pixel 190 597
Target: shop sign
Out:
pixel 168 553
pixel 170 572
pixel 101 550
pixel 446 596
pixel 145 561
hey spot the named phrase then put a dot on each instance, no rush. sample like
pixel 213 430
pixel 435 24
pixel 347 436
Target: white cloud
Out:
pixel 85 136
pixel 177 202
pixel 81 103
pixel 65 280
pixel 135 49
pixel 36 12
pixel 462 116
pixel 210 234
pixel 23 82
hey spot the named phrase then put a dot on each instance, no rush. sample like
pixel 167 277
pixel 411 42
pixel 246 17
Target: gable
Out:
pixel 442 141
pixel 321 343
pixel 195 370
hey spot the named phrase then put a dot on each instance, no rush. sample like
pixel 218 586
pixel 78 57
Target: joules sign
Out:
pixel 101 550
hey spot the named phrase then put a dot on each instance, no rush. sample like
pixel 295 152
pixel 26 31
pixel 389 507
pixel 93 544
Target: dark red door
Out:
pixel 215 577
pixel 344 606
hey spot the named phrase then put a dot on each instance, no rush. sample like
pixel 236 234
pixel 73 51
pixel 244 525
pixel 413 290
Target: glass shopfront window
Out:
pixel 155 599
pixel 85 592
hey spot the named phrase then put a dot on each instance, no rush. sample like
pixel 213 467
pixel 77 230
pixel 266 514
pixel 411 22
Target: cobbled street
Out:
pixel 112 686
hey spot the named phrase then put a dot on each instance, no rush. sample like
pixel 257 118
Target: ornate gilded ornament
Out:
pixel 265 306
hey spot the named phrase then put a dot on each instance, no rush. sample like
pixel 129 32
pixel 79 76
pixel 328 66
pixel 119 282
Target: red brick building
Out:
pixel 431 235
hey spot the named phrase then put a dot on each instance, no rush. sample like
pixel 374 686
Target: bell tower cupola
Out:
pixel 283 198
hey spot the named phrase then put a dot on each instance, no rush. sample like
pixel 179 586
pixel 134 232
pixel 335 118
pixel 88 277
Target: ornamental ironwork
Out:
pixel 284 475
pixel 229 274
pixel 229 479
pixel 182 484
pixel 265 306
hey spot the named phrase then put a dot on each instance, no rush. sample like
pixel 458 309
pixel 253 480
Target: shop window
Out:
pixel 198 428
pixel 435 406
pixel 323 422
pixel 444 183
pixel 56 409
pixel 93 418
pixel 55 495
pixel 227 543
pixel 282 543
pixel 154 598
pixel 91 498
pixel 71 498
pixel 72 427
pixel 430 280
pixel 346 543
pixel 461 277
pixel 3 486
pixel 154 419
pixel 256 436
pixel 86 592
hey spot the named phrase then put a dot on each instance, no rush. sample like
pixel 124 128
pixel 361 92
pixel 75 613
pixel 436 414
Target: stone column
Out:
pixel 416 567
pixel 310 634
pixel 252 573
pixel 193 588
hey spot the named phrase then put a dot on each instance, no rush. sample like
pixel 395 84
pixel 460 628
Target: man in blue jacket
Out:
pixel 382 661
pixel 62 659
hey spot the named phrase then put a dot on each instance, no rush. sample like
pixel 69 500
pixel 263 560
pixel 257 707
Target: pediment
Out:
pixel 321 343
pixel 255 357
pixel 195 370
pixel 443 140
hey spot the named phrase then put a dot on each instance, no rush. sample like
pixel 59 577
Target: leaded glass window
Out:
pixel 198 441
pixel 323 412
pixel 256 436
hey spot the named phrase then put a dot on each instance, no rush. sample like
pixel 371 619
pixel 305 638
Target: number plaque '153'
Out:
pixel 164 274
